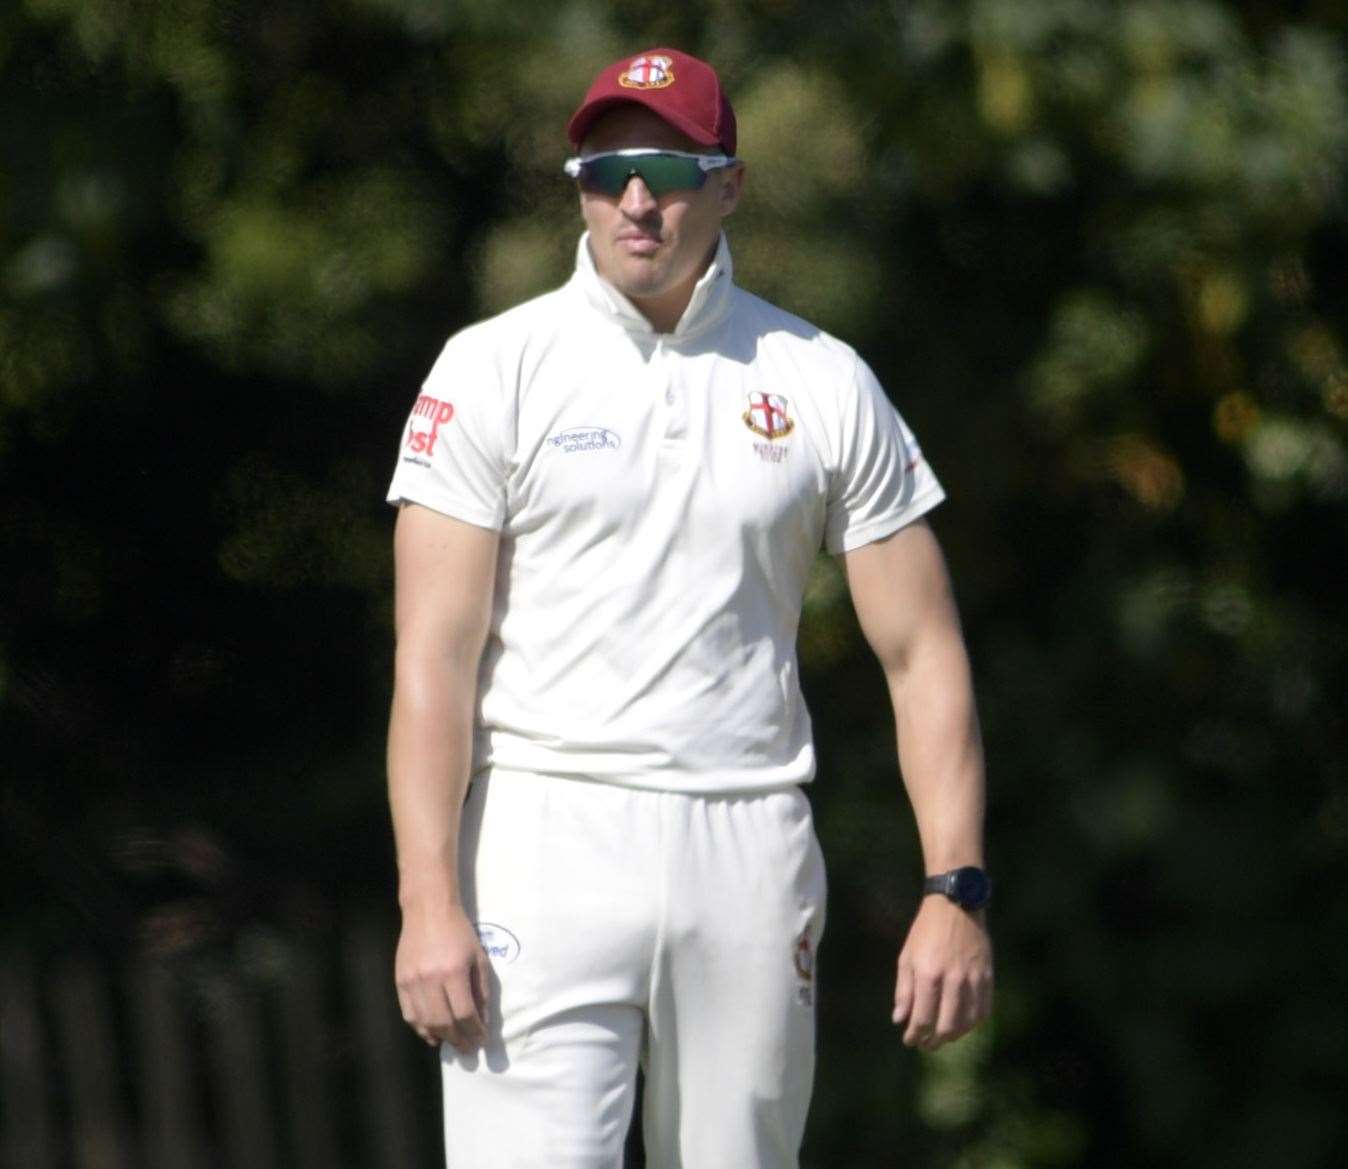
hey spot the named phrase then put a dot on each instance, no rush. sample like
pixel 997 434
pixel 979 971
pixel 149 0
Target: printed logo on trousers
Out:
pixel 501 945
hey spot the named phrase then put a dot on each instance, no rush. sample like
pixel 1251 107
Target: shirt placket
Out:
pixel 671 399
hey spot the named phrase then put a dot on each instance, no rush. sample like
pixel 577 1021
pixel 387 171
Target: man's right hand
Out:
pixel 442 976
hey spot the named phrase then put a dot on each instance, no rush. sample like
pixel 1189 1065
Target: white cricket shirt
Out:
pixel 660 499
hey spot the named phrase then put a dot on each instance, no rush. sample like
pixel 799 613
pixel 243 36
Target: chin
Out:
pixel 641 283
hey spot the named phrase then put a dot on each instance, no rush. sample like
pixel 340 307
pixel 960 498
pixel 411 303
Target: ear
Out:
pixel 732 184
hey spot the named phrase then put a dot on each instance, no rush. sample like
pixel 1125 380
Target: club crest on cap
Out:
pixel 648 73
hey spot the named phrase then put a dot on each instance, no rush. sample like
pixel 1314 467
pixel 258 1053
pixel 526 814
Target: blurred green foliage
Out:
pixel 1095 251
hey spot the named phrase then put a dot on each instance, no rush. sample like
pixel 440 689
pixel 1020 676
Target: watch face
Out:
pixel 972 887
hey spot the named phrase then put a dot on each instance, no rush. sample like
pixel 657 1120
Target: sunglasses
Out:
pixel 661 170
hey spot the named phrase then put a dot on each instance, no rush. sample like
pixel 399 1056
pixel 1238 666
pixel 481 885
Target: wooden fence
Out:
pixel 282 1057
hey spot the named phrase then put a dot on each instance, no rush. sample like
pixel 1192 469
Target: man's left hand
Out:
pixel 944 985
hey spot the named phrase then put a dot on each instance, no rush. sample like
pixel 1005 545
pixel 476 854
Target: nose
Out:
pixel 637 200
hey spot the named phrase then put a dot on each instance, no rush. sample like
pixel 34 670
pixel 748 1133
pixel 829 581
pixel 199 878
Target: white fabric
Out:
pixel 655 547
pixel 627 926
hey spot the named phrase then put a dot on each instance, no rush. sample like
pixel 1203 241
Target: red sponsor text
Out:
pixel 431 410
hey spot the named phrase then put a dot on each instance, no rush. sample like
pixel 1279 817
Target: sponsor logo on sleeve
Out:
pixel 428 415
pixel 576 439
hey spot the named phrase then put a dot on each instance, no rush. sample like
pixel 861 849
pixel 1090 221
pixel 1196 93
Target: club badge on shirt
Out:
pixel 767 416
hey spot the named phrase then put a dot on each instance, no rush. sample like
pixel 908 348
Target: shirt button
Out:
pixel 669 397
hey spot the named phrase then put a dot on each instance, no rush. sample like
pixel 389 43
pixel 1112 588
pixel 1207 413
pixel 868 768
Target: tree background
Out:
pixel 1093 248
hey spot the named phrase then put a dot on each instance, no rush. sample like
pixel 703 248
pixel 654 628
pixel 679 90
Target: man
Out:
pixel 611 497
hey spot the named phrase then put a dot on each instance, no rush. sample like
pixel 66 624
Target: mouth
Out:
pixel 638 243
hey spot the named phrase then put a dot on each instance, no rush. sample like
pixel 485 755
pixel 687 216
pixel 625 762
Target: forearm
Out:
pixel 429 757
pixel 443 573
pixel 940 749
pixel 907 612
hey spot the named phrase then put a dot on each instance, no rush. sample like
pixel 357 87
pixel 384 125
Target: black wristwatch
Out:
pixel 968 887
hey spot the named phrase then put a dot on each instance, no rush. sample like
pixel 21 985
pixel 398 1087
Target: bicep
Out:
pixel 444 575
pixel 901 593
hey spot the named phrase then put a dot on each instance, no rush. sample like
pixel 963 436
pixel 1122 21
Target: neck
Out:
pixel 665 309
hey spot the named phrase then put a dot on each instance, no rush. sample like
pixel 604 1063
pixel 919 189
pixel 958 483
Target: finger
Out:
pixel 405 1007
pixel 927 1039
pixel 482 988
pixel 984 997
pixel 903 992
pixel 430 1012
pixel 468 1030
pixel 407 1003
pixel 409 1015
pixel 952 1013
pixel 922 1017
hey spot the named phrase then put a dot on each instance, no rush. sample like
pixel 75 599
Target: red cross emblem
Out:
pixel 648 73
pixel 767 415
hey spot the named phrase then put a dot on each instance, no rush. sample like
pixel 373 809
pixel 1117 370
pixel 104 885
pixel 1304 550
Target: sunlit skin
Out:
pixel 654 250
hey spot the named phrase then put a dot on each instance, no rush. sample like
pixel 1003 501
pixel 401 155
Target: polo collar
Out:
pixel 709 302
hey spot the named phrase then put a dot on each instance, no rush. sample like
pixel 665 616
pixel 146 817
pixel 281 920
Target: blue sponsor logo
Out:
pixel 585 438
pixel 501 945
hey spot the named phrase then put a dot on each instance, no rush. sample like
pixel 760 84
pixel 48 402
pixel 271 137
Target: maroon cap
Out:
pixel 682 90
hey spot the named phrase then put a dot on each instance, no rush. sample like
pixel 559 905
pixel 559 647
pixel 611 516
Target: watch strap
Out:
pixel 940 883
pixel 956 885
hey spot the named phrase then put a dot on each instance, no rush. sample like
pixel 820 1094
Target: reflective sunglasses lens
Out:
pixel 605 176
pixel 661 173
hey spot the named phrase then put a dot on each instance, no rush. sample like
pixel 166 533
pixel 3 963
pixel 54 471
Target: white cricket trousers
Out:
pixel 628 926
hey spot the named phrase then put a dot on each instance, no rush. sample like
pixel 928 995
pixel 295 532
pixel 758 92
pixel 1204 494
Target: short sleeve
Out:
pixel 881 481
pixel 453 456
